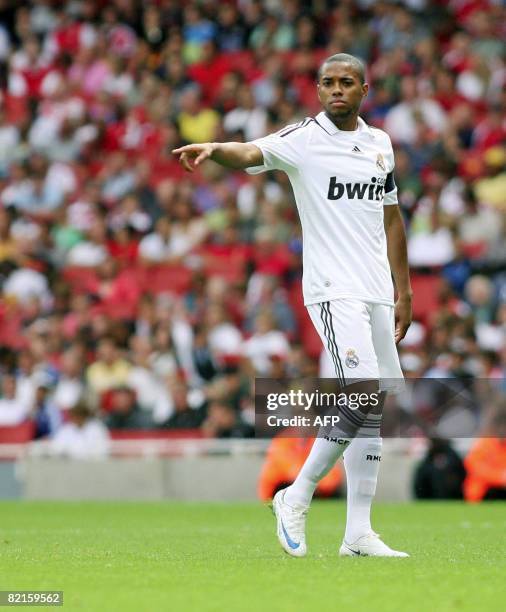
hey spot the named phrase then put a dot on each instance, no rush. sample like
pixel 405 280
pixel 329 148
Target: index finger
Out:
pixel 183 149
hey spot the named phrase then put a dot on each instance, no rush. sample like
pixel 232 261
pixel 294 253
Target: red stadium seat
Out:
pixel 79 278
pixel 474 250
pixel 232 270
pixel 16 109
pixel 229 262
pixel 11 326
pixel 308 334
pixel 425 289
pixel 167 278
pixel 244 62
pixel 17 434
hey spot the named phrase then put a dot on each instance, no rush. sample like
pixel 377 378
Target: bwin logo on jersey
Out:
pixel 356 191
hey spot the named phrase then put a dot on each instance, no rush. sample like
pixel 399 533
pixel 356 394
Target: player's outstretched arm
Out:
pixel 237 155
pixel 398 259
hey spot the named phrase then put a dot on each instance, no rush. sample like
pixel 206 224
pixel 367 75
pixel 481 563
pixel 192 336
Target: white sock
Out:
pixel 362 462
pixel 322 458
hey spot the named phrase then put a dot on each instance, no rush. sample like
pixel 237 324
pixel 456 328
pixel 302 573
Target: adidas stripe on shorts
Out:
pixel 359 340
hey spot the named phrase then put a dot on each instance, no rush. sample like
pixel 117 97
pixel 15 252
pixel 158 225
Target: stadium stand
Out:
pixel 103 236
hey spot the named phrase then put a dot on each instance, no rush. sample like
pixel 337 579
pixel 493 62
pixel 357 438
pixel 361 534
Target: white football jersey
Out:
pixel 341 181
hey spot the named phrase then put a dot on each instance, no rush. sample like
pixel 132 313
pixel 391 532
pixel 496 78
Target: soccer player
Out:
pixel 341 172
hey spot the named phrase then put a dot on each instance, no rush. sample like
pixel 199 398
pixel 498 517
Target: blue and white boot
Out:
pixel 291 525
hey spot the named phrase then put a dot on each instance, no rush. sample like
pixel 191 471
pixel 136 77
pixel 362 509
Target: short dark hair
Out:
pixel 345 58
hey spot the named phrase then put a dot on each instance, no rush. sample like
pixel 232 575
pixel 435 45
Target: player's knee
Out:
pixel 365 396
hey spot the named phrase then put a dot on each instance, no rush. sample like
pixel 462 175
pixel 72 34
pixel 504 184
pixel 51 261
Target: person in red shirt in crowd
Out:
pixel 31 66
pixel 118 292
pixel 269 257
pixel 210 70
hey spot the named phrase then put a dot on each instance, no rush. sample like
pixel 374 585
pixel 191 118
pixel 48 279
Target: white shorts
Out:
pixel 359 339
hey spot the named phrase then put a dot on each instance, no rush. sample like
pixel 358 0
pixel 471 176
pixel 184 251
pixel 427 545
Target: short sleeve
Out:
pixel 279 150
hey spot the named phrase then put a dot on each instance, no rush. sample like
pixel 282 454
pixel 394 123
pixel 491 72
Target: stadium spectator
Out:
pixel 224 338
pixel 267 293
pixel 45 414
pixel 440 474
pixel 413 113
pixel 25 284
pixel 152 396
pixel 83 436
pixel 92 251
pixel 163 360
pixel 246 118
pixel 184 416
pixel 125 412
pixel 109 370
pixel 195 121
pixel 265 344
pixel 222 421
pixel 71 385
pixel 95 95
pixel 158 247
pixel 115 290
pixel 13 410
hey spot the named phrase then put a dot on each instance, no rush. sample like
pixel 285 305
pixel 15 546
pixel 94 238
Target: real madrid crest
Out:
pixel 352 359
pixel 380 163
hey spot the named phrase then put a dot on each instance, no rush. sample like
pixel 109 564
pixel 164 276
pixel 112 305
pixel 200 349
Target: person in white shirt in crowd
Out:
pixel 152 395
pixel 82 437
pixel 415 107
pixel 224 338
pixel 259 188
pixel 25 284
pixel 246 117
pixel 157 247
pixel 70 385
pixel 129 212
pixel 13 409
pixel 163 360
pixel 118 179
pixel 431 239
pixel 267 342
pixel 93 251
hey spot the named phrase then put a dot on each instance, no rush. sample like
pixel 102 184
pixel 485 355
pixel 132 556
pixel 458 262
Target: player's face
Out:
pixel 340 90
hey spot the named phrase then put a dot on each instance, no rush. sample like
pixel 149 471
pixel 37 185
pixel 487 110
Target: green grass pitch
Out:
pixel 122 557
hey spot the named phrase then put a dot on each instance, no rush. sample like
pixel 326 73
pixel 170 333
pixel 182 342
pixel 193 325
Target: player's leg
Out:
pixel 344 327
pixel 362 460
pixel 363 456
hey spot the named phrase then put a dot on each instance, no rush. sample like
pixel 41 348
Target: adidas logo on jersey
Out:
pixel 356 191
pixel 356 150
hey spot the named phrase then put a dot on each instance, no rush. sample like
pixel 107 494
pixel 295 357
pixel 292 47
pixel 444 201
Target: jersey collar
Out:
pixel 331 129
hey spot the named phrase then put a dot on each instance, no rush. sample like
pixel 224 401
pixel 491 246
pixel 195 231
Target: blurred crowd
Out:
pixel 156 297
